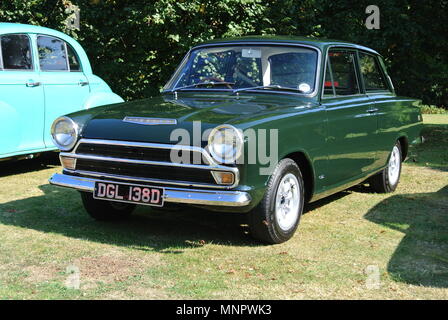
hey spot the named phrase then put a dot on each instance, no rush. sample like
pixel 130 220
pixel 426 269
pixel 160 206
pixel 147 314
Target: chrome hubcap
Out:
pixel 394 166
pixel 287 202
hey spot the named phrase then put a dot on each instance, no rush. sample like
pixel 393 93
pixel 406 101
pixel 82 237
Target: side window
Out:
pixel 328 82
pixel 371 73
pixel 73 59
pixel 343 70
pixel 52 54
pixel 16 52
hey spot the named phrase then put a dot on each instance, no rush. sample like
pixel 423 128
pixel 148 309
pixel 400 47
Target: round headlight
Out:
pixel 225 143
pixel 65 133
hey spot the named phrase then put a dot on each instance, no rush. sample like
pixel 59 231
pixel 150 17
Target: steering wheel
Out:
pixel 214 79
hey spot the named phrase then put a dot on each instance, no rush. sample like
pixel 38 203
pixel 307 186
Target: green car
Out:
pixel 255 125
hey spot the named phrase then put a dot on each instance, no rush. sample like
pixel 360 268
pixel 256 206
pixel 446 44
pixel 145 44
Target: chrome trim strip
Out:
pixel 148 162
pixel 353 47
pixel 149 180
pixel 1 54
pixel 176 195
pixel 207 156
pixel 150 121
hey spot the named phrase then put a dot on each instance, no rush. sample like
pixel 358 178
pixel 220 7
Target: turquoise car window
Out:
pixel 238 67
pixel 52 54
pixel 16 52
pixel 371 73
pixel 343 70
pixel 73 60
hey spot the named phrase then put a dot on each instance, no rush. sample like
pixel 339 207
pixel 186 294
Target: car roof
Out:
pixel 8 27
pixel 320 43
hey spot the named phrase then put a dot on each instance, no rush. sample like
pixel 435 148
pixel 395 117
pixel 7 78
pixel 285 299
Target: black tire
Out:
pixel 380 182
pixel 263 222
pixel 103 210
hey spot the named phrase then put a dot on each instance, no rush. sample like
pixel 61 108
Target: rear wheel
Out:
pixel 103 210
pixel 277 217
pixel 387 180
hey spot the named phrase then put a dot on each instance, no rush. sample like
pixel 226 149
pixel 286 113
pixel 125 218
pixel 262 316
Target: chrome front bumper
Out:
pixel 176 195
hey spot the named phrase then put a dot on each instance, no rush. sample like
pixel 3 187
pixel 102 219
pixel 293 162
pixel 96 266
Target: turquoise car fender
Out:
pixel 100 93
pixel 97 99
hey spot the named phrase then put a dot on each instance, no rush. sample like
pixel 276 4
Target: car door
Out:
pixel 21 97
pixel 389 113
pixel 352 123
pixel 65 85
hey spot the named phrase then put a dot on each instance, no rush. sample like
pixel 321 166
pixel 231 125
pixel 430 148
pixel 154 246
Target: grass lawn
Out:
pixel 354 245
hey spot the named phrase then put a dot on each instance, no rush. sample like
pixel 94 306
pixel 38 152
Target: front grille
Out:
pixel 140 153
pixel 146 171
pixel 147 162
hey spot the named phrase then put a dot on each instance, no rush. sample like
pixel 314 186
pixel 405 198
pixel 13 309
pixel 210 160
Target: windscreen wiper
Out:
pixel 276 86
pixel 211 83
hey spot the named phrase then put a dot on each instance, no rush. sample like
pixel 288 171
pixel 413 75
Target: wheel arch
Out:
pixel 404 144
pixel 304 163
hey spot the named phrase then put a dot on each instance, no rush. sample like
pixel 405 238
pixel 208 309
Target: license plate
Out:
pixel 152 196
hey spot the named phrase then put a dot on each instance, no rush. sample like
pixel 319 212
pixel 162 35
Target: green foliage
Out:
pixel 425 109
pixel 135 45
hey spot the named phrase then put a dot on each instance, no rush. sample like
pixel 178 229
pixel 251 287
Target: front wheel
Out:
pixel 387 180
pixel 277 217
pixel 103 210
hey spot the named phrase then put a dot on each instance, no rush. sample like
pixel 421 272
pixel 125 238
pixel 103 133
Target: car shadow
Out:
pixel 421 258
pixel 44 161
pixel 60 210
pixel 431 154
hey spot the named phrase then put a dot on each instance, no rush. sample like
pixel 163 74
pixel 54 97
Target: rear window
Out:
pixel 371 73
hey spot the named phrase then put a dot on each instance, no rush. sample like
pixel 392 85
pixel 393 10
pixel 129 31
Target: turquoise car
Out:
pixel 43 74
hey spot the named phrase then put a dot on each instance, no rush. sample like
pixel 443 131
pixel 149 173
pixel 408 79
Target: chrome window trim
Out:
pixel 384 76
pixel 66 54
pixel 1 53
pixel 343 47
pixel 211 166
pixel 33 67
pixel 260 43
pixel 76 55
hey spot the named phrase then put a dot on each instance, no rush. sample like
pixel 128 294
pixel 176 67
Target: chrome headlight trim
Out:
pixel 235 152
pixel 74 140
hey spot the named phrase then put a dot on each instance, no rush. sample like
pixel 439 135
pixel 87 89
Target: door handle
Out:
pixel 32 83
pixel 83 83
pixel 372 110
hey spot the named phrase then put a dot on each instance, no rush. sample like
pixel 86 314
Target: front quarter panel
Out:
pixel 300 130
pixel 100 93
